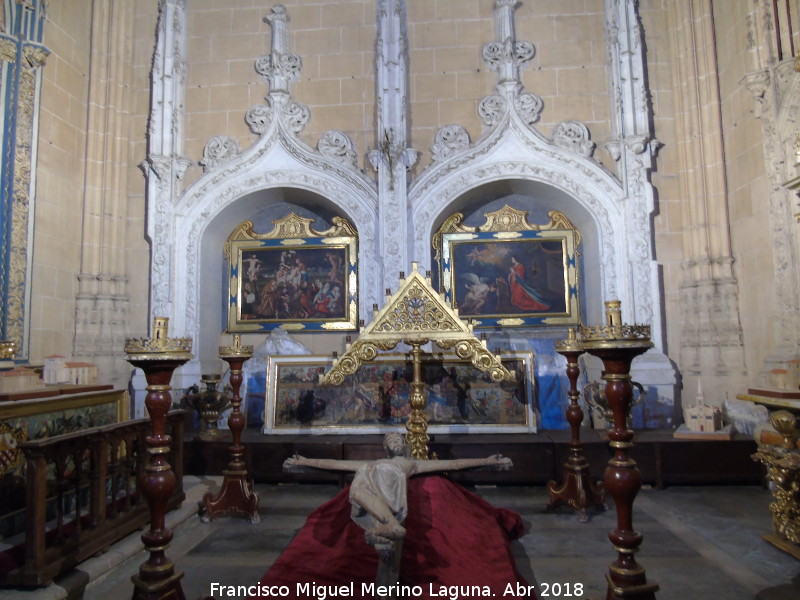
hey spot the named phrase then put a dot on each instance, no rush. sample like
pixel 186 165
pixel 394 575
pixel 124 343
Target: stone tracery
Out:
pixel 280 159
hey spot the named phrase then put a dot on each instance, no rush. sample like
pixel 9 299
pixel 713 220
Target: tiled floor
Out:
pixel 699 543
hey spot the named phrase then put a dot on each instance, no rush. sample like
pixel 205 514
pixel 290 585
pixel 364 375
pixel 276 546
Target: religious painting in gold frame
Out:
pixel 293 277
pixel 509 273
pixel 460 397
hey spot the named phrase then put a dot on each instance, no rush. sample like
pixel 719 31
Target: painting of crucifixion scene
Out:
pixel 306 286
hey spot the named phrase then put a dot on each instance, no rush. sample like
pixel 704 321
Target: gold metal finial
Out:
pixel 160 345
pixel 571 344
pixel 614 332
pixel 236 349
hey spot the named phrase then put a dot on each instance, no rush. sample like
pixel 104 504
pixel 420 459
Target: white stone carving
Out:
pixel 506 55
pixel 338 147
pixel 392 156
pixel 258 118
pixel 219 150
pixel 449 140
pixel 295 116
pixel 573 136
pixel 491 110
pixel 281 66
pixel 776 90
pixel 529 107
pixel 632 144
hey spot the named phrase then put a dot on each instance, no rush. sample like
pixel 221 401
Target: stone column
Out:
pixel 392 157
pixel 711 332
pixel 166 164
pixel 101 305
pixel 773 81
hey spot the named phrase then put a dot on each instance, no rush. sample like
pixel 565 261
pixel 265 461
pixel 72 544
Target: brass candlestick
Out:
pixel 158 357
pixel 236 495
pixel 577 489
pixel 617 345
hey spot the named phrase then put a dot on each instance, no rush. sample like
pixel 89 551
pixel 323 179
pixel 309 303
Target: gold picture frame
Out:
pixel 508 272
pixel 461 398
pixel 293 277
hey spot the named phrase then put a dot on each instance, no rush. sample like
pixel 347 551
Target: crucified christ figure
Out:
pixel 378 496
pixel 378 491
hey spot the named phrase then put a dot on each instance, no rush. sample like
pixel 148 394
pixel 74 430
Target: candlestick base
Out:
pixel 164 589
pixel 236 497
pixel 577 491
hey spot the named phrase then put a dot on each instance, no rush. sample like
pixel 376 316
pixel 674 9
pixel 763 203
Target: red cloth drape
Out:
pixel 454 538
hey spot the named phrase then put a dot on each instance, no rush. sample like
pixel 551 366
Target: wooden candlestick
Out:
pixel 617 345
pixel 236 496
pixel 158 357
pixel 577 490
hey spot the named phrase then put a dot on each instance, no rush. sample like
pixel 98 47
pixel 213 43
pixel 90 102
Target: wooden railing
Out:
pixel 83 494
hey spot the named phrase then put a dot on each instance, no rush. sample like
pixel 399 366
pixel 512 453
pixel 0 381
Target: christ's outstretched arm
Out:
pixel 496 461
pixel 297 463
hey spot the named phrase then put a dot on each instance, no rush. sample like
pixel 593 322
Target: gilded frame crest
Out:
pixel 293 277
pixel 508 272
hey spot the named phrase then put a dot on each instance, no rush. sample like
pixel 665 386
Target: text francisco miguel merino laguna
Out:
pixel 370 590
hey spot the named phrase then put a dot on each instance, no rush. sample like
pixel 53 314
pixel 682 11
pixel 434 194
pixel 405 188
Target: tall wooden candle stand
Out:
pixel 158 357
pixel 236 497
pixel 617 345
pixel 577 490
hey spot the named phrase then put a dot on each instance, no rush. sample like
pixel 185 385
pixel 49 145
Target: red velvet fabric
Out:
pixel 454 538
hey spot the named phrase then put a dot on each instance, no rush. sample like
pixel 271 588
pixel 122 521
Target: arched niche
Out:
pixel 262 207
pixel 538 199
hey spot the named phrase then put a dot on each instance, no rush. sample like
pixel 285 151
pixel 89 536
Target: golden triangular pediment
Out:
pixel 416 314
pixel 416 309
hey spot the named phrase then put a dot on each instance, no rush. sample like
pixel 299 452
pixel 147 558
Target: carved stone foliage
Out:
pixel 498 54
pixel 219 150
pixel 529 107
pixel 288 66
pixel 450 140
pixel 281 66
pixel 338 147
pixel 491 110
pixel 295 116
pixel 572 135
pixel 258 118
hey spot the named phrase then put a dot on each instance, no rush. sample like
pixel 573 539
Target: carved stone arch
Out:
pixel 593 207
pixel 203 230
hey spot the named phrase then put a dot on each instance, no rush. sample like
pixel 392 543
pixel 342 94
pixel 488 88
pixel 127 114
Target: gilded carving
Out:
pixel 415 314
